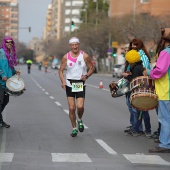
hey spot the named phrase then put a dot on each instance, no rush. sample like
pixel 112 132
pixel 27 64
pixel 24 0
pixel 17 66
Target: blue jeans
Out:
pixel 146 119
pixel 133 113
pixel 164 119
pixel 136 117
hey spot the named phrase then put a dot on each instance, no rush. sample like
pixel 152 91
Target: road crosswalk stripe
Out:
pixel 83 157
pixel 146 159
pixel 6 157
pixel 70 157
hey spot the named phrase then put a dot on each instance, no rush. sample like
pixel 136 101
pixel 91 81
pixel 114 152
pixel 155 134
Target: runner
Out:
pixel 76 62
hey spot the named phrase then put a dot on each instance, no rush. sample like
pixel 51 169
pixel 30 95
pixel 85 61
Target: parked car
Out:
pixel 117 70
pixel 120 70
pixel 58 66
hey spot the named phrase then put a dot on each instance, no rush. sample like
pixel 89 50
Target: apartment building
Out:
pixel 48 28
pixel 152 7
pixel 9 18
pixel 60 14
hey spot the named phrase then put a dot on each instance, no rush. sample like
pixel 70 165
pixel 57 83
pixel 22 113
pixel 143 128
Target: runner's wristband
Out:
pixel 87 76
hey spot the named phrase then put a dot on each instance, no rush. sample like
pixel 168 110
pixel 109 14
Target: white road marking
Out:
pixel 70 157
pixel 43 89
pixel 146 159
pixel 6 157
pixel 97 87
pixel 92 86
pixel 51 97
pixel 106 147
pixel 66 111
pixel 58 104
pixel 46 93
pixel 85 127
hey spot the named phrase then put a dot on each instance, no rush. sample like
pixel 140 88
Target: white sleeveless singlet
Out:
pixel 76 67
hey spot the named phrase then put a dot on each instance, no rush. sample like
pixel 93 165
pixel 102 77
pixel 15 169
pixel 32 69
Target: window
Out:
pixel 76 12
pixel 67 29
pixel 67 20
pixel 68 4
pixel 144 1
pixel 77 3
pixel 67 12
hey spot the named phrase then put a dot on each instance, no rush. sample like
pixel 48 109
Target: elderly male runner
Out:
pixel 76 62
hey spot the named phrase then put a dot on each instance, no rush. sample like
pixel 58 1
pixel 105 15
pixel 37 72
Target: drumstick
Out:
pixel 19 75
pixel 12 81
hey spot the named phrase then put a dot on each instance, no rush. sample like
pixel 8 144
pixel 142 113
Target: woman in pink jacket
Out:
pixel 161 75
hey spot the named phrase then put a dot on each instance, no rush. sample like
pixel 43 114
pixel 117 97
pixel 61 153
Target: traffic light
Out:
pixel 114 52
pixel 72 24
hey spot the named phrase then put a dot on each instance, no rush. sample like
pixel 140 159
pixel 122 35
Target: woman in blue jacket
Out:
pixel 7 62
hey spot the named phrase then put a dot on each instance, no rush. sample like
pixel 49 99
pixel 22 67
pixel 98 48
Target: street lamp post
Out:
pixel 97 8
pixel 134 8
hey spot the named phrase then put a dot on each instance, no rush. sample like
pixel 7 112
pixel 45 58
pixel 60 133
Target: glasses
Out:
pixel 9 41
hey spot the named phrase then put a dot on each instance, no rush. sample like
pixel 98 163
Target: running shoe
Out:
pixel 156 140
pixel 148 134
pixel 128 132
pixel 3 124
pixel 154 135
pixel 80 126
pixel 74 133
pixel 135 134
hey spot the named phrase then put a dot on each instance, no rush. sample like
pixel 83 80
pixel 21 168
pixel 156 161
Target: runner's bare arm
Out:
pixel 89 64
pixel 61 70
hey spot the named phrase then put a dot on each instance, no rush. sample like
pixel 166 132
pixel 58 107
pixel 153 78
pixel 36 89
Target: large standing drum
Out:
pixel 143 96
pixel 15 86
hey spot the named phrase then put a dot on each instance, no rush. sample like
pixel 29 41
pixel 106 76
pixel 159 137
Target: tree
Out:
pixel 92 10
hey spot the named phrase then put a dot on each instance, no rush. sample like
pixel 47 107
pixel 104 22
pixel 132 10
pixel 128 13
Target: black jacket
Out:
pixel 136 70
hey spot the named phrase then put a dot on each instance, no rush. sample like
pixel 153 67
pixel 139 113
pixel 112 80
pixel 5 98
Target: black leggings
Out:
pixel 4 100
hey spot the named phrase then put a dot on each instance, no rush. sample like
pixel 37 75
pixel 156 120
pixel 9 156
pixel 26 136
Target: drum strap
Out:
pixel 121 83
pixel 140 115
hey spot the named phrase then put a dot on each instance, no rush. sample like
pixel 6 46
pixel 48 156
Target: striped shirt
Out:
pixel 144 59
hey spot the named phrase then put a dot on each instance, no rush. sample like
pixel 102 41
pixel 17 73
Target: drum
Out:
pixel 119 88
pixel 15 86
pixel 143 96
pixel 142 82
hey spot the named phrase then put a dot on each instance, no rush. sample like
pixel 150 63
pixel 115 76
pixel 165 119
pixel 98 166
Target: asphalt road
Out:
pixel 39 136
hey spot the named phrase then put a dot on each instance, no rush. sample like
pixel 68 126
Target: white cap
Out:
pixel 74 40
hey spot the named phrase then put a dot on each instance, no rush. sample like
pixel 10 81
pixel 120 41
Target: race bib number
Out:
pixel 77 87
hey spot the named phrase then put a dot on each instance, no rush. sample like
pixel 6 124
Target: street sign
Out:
pixel 115 44
pixel 109 51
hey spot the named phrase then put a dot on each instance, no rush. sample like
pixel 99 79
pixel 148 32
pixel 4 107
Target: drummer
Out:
pixel 137 44
pixel 8 60
pixel 136 69
pixel 161 75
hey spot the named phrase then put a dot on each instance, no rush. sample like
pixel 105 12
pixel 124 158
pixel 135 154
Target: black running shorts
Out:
pixel 76 95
